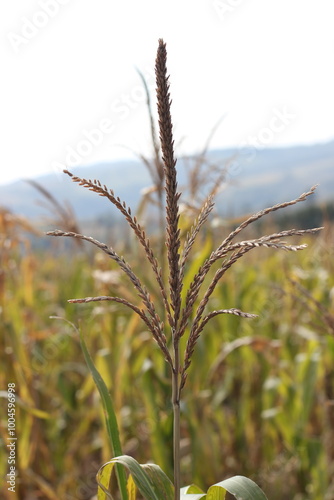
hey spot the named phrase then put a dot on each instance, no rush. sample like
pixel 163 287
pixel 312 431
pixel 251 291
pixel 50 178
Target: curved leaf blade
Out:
pixel 241 487
pixel 160 480
pixel 192 492
pixel 103 479
pixel 150 479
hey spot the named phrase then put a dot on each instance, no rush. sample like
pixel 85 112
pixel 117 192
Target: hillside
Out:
pixel 255 179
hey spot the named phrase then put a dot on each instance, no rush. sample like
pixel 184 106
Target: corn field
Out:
pixel 259 398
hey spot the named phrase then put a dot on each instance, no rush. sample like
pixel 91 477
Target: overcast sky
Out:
pixel 70 92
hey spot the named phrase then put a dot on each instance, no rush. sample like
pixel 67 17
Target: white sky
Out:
pixel 68 66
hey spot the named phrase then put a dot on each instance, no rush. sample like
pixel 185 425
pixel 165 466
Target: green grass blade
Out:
pixel 150 479
pixel 110 416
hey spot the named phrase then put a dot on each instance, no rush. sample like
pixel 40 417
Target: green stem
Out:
pixel 176 420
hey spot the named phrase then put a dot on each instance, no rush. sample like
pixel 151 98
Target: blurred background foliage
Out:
pixel 259 399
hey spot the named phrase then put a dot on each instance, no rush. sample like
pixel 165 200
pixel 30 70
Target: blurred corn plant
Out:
pixel 184 298
pixel 62 214
pixel 34 351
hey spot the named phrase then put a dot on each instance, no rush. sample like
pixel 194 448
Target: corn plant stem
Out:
pixel 176 420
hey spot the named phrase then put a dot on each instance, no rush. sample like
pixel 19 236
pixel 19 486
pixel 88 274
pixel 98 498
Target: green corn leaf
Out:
pixel 151 481
pixel 160 480
pixel 239 486
pixel 193 492
pixel 111 421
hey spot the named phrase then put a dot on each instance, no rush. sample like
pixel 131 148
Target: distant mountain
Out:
pixel 255 179
pixel 273 175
